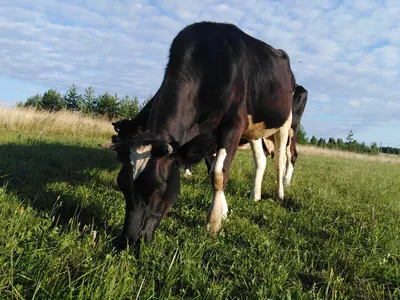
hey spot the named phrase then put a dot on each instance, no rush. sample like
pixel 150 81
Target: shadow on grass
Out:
pixel 27 169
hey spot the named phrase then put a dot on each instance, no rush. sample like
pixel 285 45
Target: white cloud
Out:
pixel 30 90
pixel 354 102
pixel 343 52
pixel 318 97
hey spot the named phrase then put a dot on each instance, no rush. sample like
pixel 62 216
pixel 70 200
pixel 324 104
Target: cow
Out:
pixel 220 85
pixel 126 128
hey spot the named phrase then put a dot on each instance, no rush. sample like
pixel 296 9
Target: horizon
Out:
pixel 345 53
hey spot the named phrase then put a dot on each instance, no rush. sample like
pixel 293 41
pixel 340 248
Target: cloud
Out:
pixel 354 103
pixel 343 52
pixel 29 90
pixel 318 97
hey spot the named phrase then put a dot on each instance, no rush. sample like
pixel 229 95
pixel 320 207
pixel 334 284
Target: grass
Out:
pixel 317 151
pixel 60 209
pixel 29 120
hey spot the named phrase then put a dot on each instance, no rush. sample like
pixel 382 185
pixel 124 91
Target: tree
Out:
pixel 340 143
pixel 107 105
pixel 349 138
pixel 89 101
pixel 52 100
pixel 322 143
pixel 128 108
pixel 145 102
pixel 331 142
pixel 73 100
pixel 314 141
pixel 34 101
pixel 301 135
pixel 374 148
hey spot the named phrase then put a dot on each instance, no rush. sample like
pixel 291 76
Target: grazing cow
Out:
pixel 220 85
pixel 128 128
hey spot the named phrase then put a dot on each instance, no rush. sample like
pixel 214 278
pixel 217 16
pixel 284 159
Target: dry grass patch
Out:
pixel 315 151
pixel 44 122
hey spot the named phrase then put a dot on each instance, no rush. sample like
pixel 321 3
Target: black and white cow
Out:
pixel 220 85
pixel 126 128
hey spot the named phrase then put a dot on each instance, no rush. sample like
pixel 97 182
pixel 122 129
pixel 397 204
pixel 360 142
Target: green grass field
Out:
pixel 60 209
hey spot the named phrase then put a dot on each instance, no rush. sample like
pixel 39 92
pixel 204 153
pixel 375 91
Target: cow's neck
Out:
pixel 173 116
pixel 173 128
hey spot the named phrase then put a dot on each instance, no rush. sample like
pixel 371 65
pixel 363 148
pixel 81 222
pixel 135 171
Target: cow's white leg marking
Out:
pixel 139 157
pixel 289 173
pixel 289 165
pixel 260 162
pixel 281 137
pixel 187 173
pixel 219 207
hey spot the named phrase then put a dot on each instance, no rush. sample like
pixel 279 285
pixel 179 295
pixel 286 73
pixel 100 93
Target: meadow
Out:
pixel 336 237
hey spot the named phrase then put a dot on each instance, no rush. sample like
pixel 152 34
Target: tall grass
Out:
pixel 26 120
pixel 317 151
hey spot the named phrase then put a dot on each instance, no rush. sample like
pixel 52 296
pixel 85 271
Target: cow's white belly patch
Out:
pixel 257 130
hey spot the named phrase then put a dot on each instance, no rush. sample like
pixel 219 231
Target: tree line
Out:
pixel 105 105
pixel 349 144
pixel 115 107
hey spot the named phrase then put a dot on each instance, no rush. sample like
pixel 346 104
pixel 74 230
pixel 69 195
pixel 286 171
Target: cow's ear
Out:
pixel 160 149
pixel 196 149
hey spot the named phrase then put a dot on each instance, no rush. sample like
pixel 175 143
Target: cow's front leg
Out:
pixel 219 174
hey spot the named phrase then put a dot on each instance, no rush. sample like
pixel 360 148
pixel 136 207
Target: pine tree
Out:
pixel 89 101
pixel 143 104
pixel 374 148
pixel 73 100
pixel 34 101
pixel 322 143
pixel 301 135
pixel 52 100
pixel 128 108
pixel 349 138
pixel 107 106
pixel 314 140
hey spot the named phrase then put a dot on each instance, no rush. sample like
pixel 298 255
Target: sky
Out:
pixel 345 53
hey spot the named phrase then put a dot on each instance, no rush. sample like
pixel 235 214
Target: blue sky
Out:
pixel 345 53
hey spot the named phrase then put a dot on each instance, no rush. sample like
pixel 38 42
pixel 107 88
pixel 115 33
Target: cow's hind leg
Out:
pixel 219 173
pixel 281 137
pixel 260 162
pixel 290 158
pixel 188 171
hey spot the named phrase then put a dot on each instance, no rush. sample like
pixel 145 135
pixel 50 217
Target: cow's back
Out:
pixel 216 70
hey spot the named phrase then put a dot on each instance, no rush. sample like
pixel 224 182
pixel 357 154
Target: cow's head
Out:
pixel 150 179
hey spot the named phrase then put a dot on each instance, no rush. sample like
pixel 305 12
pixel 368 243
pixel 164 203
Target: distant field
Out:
pixel 60 209
pixel 316 151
